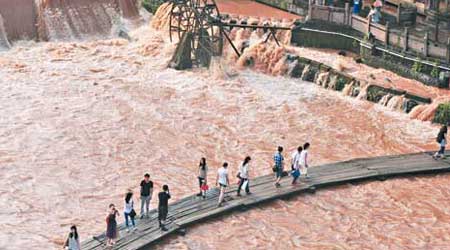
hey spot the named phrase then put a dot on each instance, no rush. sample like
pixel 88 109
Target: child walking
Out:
pixel 204 188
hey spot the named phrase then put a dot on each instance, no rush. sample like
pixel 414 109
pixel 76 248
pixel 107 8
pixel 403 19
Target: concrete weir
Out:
pixel 330 78
pixel 192 209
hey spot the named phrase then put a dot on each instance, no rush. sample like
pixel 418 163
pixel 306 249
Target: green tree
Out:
pixel 152 5
pixel 442 114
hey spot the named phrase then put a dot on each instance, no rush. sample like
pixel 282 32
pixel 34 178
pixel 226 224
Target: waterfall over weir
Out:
pixel 4 43
pixel 50 20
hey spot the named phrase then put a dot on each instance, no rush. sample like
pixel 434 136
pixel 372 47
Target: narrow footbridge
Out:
pixel 191 210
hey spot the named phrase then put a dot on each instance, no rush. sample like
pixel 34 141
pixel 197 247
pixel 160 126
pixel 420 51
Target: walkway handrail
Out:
pixel 428 63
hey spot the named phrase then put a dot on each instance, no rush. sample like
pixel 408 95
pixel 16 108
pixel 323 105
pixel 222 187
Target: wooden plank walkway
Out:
pixel 193 209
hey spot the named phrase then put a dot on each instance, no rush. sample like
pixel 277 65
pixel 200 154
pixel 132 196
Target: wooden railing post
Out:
pixel 329 13
pixel 405 39
pixel 425 45
pixel 386 35
pixel 369 21
pixel 448 51
pixel 310 10
pixel 347 13
pixel 436 30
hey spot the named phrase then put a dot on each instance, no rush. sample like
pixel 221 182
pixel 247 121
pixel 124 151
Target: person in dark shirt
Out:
pixel 163 206
pixel 146 195
pixel 442 140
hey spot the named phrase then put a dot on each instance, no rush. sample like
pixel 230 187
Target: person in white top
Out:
pixel 296 164
pixel 128 211
pixel 222 181
pixel 243 176
pixel 304 160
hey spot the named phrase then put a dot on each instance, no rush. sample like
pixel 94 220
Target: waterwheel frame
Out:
pixel 181 18
pixel 201 18
pixel 208 28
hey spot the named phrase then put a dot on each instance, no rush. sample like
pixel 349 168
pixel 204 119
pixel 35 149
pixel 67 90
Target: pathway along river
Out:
pixel 82 122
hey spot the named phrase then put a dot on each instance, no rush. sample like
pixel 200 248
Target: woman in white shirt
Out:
pixel 243 176
pixel 296 165
pixel 304 164
pixel 128 211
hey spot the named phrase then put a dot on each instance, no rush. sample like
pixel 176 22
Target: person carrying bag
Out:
pixel 295 173
pixel 244 177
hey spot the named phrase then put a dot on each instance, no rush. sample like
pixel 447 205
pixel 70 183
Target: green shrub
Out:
pixel 417 66
pixel 366 38
pixel 442 114
pixel 435 71
pixel 152 5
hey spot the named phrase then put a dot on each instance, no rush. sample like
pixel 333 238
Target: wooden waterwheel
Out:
pixel 200 18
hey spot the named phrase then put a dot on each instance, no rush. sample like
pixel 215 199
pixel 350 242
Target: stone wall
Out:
pixel 421 72
pixel 373 55
pixel 307 37
pixel 329 78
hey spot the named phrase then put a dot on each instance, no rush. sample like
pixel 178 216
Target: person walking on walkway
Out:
pixel 374 14
pixel 202 174
pixel 129 212
pixel 146 195
pixel 356 6
pixel 163 207
pixel 296 165
pixel 278 165
pixel 222 181
pixel 442 140
pixel 243 176
pixel 111 225
pixel 304 164
pixel 73 240
pixel 204 188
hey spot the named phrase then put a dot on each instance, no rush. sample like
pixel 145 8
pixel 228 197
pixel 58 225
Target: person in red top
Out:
pixel 204 188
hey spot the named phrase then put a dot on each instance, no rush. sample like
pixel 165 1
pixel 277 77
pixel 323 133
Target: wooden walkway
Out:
pixel 192 209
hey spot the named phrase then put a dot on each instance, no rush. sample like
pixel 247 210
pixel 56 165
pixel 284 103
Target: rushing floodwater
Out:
pixel 82 122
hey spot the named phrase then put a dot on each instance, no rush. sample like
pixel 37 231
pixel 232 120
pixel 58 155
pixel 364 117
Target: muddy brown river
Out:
pixel 81 122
